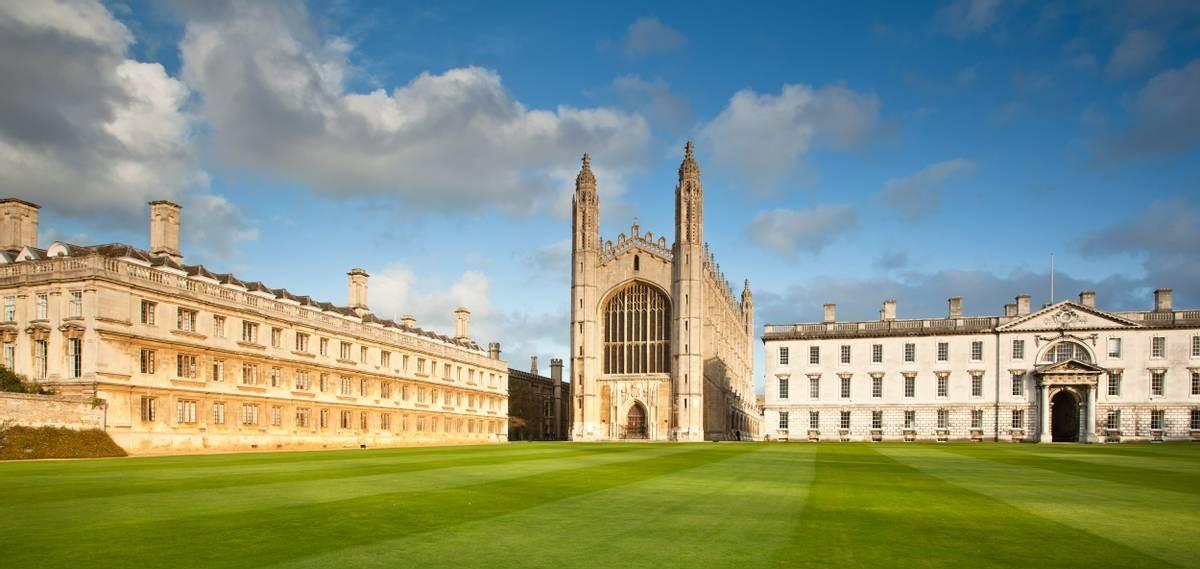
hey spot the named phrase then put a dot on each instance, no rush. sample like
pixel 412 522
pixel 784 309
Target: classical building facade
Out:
pixel 183 358
pixel 539 407
pixel 661 348
pixel 1065 373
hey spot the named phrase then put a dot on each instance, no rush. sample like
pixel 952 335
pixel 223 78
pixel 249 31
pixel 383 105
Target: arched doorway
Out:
pixel 1064 422
pixel 635 422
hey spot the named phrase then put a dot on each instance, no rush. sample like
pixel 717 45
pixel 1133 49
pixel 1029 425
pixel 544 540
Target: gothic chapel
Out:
pixel 660 347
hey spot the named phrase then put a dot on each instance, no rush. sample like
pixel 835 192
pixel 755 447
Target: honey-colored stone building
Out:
pixel 539 407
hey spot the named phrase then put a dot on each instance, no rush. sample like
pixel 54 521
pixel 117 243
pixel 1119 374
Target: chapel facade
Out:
pixel 661 349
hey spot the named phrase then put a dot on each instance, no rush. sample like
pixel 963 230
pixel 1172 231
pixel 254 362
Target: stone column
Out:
pixel 1044 411
pixel 1089 431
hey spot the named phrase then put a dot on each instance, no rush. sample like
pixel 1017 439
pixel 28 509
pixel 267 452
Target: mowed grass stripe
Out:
pixel 270 535
pixel 1159 523
pixel 1100 455
pixel 116 510
pixel 718 514
pixel 1020 455
pixel 865 509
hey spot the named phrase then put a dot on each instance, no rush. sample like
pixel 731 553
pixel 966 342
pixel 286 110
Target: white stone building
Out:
pixel 182 358
pixel 661 348
pixel 1067 372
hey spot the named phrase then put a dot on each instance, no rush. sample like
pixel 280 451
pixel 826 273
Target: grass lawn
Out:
pixel 614 505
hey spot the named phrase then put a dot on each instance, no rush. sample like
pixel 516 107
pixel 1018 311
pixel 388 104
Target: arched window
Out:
pixel 1064 351
pixel 637 263
pixel 637 331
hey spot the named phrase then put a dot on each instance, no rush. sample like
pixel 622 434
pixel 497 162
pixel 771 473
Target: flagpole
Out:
pixel 1051 278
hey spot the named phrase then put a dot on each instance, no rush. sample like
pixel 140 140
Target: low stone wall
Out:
pixel 69 412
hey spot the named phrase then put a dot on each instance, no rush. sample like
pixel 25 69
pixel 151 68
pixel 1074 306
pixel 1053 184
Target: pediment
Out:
pixel 1068 315
pixel 1070 366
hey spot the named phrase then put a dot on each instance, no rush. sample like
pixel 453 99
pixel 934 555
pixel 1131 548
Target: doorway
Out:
pixel 635 422
pixel 1064 422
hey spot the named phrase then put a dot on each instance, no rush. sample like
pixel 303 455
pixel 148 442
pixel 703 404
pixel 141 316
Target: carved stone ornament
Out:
pixel 1063 318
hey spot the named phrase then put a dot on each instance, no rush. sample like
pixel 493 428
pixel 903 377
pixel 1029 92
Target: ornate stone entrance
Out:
pixel 1064 417
pixel 635 423
pixel 1067 401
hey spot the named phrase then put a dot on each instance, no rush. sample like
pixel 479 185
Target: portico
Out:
pixel 1067 401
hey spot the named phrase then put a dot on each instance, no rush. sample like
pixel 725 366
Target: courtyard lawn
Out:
pixel 614 505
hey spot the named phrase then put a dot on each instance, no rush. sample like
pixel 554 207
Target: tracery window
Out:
pixel 637 331
pixel 1064 351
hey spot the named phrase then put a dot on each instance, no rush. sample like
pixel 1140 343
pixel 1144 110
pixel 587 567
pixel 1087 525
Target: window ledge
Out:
pixel 254 388
pixel 185 333
pixel 302 393
pixel 350 362
pixel 251 345
pixel 346 398
pixel 187 381
pixel 304 354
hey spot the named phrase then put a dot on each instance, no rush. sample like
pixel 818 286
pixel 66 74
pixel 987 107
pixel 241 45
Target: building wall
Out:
pixel 407 399
pixel 533 399
pixel 29 410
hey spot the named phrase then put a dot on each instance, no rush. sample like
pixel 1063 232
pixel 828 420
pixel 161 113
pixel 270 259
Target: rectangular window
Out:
pixel 324 346
pixel 324 418
pixel 845 354
pixel 976 386
pixel 977 351
pixel 276 377
pixel 10 309
pixel 421 365
pixel 323 383
pixel 943 351
pixel 910 419
pixel 250 332
pixel 783 420
pixel 876 387
pixel 301 342
pixel 218 370
pixel 249 374
pixel 1018 419
pixel 1156 419
pixel 302 416
pixel 147 361
pixel 363 387
pixel 302 380
pixel 910 386
pixel 75 306
pixel 344 386
pixel 219 326
pixel 943 386
pixel 40 357
pixel 876 419
pixel 185 320
pixel 1195 382
pixel 1114 347
pixel 976 418
pixel 185 411
pixel 147 314
pixel 814 387
pixel 814 355
pixel 877 353
pixel 910 352
pixel 783 389
pixel 344 351
pixel 75 357
pixel 10 356
pixel 385 421
pixel 1018 349
pixel 446 371
pixel 276 416
pixel 276 337
pixel 249 414
pixel 41 307
pixel 783 355
pixel 845 422
pixel 218 413
pixel 1194 423
pixel 362 421
pixel 814 419
pixel 185 366
pixel 1196 346
pixel 1018 386
pixel 385 360
pixel 362 354
pixel 1114 420
pixel 1114 384
pixel 845 388
pixel 943 419
pixel 1158 347
pixel 149 412
pixel 1157 381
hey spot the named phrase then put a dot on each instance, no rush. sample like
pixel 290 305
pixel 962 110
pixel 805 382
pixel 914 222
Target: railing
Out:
pixel 882 327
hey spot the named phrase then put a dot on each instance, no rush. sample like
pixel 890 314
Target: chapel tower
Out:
pixel 585 244
pixel 687 289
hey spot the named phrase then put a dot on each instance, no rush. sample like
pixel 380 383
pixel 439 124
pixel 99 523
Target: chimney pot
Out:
pixel 408 321
pixel 18 224
pixel 1162 300
pixel 556 368
pixel 494 350
pixel 533 364
pixel 955 306
pixel 1010 309
pixel 889 309
pixel 462 324
pixel 1088 298
pixel 830 313
pixel 357 286
pixel 1022 304
pixel 164 229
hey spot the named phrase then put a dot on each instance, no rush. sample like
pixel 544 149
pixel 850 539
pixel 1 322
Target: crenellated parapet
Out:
pixel 636 240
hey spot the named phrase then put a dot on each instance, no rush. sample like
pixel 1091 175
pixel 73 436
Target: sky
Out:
pixel 850 152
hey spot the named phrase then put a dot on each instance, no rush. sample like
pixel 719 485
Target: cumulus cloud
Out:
pixel 788 232
pixel 87 131
pixel 1137 49
pixel 1164 237
pixel 274 92
pixel 964 18
pixel 919 196
pixel 1166 116
pixel 762 137
pixel 648 36
pixel 552 261
pixel 653 97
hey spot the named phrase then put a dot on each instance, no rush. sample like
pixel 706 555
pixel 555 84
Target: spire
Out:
pixel 585 179
pixel 689 168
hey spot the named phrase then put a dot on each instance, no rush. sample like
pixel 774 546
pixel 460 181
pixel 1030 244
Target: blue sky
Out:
pixel 850 153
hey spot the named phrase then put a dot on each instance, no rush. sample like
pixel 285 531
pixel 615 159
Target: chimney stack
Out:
pixel 1088 298
pixel 1022 304
pixel 462 324
pixel 556 366
pixel 1162 300
pixel 18 224
pixel 955 303
pixel 533 364
pixel 494 350
pixel 358 290
pixel 889 310
pixel 830 313
pixel 1010 309
pixel 408 321
pixel 164 230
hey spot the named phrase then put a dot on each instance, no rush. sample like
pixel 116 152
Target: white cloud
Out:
pixel 918 196
pixel 963 18
pixel 665 109
pixel 1166 116
pixel 648 36
pixel 275 95
pixel 788 232
pixel 1138 49
pixel 88 132
pixel 763 137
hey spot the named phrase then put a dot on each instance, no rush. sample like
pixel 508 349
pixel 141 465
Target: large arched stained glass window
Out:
pixel 1064 351
pixel 637 331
